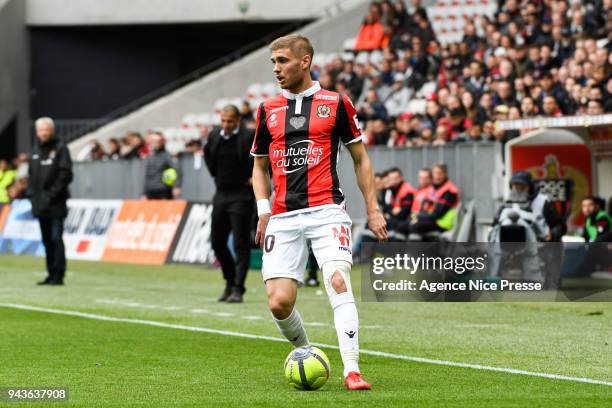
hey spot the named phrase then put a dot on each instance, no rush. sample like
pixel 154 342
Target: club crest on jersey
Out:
pixel 272 122
pixel 343 235
pixel 297 121
pixel 323 111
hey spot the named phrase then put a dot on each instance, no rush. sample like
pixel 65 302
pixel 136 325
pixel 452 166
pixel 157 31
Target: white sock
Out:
pixel 346 321
pixel 293 329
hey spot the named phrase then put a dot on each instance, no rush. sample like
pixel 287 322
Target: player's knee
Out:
pixel 337 282
pixel 280 304
pixel 336 276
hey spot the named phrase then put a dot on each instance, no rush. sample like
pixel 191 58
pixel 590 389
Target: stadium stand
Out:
pixel 447 72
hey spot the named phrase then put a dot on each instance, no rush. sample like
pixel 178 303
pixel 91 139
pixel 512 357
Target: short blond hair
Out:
pixel 298 44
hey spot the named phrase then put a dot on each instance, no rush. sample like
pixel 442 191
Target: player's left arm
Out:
pixel 350 134
pixel 365 180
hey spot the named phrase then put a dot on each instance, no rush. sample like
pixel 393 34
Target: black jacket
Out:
pixel 50 173
pixel 245 141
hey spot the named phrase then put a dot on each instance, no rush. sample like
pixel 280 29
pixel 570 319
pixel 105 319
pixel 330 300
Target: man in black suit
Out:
pixel 50 173
pixel 228 159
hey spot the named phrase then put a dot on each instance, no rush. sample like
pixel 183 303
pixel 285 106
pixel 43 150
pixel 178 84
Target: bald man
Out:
pixel 228 160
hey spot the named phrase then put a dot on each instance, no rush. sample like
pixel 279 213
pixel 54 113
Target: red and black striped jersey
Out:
pixel 301 134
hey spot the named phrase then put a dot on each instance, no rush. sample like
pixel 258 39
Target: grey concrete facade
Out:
pixel 14 70
pixel 327 35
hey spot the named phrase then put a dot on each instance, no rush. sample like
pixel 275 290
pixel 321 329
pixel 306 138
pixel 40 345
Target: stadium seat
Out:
pixel 189 120
pixel 462 227
pixel 362 58
pixel 254 91
pixel 204 119
pixel 349 44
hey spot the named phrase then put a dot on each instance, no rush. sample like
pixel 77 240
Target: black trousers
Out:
pixel 232 215
pixel 160 195
pixel 52 229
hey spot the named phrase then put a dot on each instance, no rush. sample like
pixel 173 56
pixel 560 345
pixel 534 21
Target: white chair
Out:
pixel 417 106
pixel 362 58
pixel 253 91
pixel 349 44
pixel 270 89
pixel 189 120
pixel 348 56
pixel 219 104
pixel 203 119
pixel 318 60
pixel 376 57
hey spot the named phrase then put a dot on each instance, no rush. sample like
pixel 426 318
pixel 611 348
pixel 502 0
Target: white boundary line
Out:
pixel 278 339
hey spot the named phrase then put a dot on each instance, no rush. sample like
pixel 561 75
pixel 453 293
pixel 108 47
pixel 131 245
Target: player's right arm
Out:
pixel 261 176
pixel 261 188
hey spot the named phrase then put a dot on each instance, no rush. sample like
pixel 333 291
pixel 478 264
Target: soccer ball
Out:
pixel 169 177
pixel 307 368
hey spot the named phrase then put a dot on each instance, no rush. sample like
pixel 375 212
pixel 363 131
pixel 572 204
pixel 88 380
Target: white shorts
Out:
pixel 327 230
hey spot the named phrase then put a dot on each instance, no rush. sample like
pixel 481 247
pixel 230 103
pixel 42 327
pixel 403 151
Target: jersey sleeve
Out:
pixel 346 122
pixel 263 138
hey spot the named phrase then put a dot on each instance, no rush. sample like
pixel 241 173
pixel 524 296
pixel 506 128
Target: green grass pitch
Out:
pixel 109 363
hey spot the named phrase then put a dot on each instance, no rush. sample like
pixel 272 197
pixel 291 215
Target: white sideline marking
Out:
pixel 317 324
pixel 248 317
pixel 223 314
pixel 199 311
pixel 278 339
pixel 172 308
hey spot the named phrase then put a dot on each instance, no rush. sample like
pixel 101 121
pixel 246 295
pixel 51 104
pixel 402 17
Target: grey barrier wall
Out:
pixel 474 168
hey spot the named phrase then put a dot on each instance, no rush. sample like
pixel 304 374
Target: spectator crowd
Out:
pixel 533 58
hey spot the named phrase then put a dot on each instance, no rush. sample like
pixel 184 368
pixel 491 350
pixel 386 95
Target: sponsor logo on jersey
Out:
pixel 297 155
pixel 326 97
pixel 279 109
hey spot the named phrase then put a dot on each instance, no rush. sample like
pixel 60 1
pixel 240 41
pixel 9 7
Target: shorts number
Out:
pixel 269 243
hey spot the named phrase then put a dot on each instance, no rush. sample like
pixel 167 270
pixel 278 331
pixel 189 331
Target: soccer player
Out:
pixel 298 134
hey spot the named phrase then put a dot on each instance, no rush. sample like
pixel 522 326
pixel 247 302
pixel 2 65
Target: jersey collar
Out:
pixel 309 92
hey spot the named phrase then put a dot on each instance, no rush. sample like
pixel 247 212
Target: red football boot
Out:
pixel 353 381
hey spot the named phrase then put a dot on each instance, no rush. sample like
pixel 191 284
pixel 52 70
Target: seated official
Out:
pixel 439 206
pixel 425 182
pixel 401 200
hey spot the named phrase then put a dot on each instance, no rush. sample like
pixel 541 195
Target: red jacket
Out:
pixel 419 197
pixel 439 200
pixel 403 199
pixel 370 37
